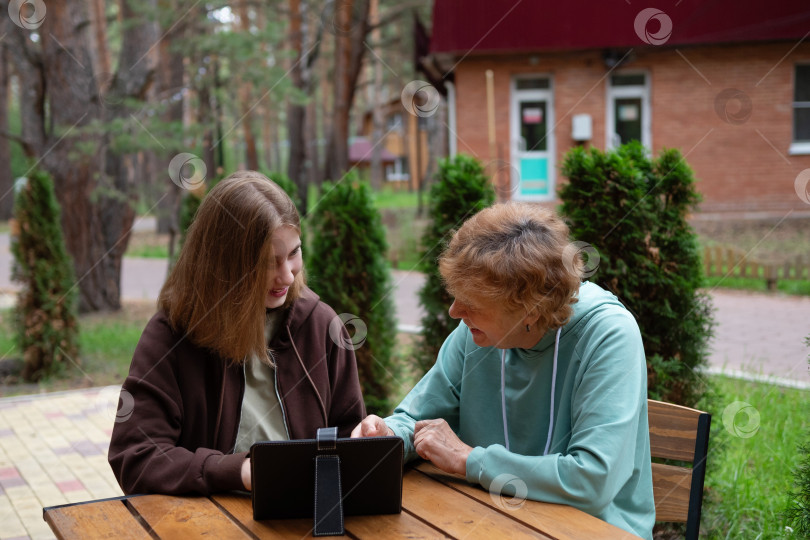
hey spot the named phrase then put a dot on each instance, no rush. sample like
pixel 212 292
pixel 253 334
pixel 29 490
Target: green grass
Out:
pixel 749 477
pixel 106 349
pixel 389 198
pixel 787 286
pixel 8 347
pixel 106 344
pixel 160 251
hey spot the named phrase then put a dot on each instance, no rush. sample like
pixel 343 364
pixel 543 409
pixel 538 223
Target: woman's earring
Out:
pixel 527 328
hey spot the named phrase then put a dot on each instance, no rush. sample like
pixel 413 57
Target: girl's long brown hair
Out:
pixel 216 292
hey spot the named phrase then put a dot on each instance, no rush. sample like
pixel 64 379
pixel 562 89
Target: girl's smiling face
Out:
pixel 288 263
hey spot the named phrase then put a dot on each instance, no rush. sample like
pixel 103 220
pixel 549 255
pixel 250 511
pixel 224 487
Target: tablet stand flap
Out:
pixel 327 438
pixel 328 500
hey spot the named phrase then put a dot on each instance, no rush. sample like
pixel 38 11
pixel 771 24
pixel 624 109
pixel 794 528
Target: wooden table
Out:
pixel 435 505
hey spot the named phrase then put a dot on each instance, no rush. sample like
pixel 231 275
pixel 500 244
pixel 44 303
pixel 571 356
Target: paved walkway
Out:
pixel 53 447
pixel 53 450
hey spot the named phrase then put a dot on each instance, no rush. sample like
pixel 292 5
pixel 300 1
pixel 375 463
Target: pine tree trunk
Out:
pixel 313 136
pixel 337 150
pixel 6 177
pixel 99 51
pixel 246 99
pixel 296 114
pixel 169 86
pixel 352 25
pixel 94 188
pixel 377 117
pixel 24 57
pixel 65 57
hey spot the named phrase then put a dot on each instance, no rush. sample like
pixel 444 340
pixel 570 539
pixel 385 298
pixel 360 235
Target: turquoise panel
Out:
pixel 534 169
pixel 534 176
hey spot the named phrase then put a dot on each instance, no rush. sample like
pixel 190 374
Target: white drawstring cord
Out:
pixel 503 397
pixel 553 389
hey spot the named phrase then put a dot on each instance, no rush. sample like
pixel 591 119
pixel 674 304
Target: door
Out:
pixel 628 114
pixel 532 139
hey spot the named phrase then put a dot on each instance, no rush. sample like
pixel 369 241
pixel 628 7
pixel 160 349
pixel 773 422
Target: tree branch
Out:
pixel 27 147
pixel 395 13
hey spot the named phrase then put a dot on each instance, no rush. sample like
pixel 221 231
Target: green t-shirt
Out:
pixel 262 418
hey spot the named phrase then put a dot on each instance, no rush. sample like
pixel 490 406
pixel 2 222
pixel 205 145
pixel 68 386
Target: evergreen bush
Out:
pixel 632 209
pixel 46 311
pixel 798 510
pixel 461 190
pixel 189 203
pixel 346 266
pixel 288 186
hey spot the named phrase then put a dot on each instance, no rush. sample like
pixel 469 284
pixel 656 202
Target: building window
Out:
pixel 532 83
pixel 801 111
pixel 395 122
pixel 396 171
pixel 628 112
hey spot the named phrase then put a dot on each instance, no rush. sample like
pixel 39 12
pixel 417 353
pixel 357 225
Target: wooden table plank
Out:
pixel 401 525
pixel 104 519
pixel 185 517
pixel 377 526
pixel 457 514
pixel 559 521
pixel 241 508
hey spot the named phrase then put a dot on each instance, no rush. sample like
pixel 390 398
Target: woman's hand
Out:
pixel 246 480
pixel 436 442
pixel 372 426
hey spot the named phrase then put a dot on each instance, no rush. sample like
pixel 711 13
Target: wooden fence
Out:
pixel 730 262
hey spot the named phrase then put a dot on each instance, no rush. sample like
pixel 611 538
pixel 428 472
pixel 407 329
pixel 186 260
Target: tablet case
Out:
pixel 367 472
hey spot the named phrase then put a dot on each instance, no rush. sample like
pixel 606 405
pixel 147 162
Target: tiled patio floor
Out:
pixel 53 450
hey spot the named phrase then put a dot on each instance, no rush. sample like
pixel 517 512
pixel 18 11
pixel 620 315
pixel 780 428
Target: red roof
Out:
pixel 463 26
pixel 361 150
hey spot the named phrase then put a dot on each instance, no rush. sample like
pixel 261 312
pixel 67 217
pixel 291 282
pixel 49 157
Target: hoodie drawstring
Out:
pixel 309 378
pixel 553 389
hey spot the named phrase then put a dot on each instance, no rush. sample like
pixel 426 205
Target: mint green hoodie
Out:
pixel 599 451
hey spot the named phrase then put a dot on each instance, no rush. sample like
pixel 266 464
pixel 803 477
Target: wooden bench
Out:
pixel 681 434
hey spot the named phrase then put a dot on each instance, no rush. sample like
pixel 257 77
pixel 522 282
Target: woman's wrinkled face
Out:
pixel 490 323
pixel 288 263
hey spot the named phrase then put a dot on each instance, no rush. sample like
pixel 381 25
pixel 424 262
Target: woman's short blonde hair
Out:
pixel 216 291
pixel 514 255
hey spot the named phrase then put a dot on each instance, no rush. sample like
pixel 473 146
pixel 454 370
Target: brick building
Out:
pixel 726 83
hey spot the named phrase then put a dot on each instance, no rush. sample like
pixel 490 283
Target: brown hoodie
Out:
pixel 180 404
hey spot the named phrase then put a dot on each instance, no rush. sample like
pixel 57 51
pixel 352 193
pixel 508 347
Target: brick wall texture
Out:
pixel 741 165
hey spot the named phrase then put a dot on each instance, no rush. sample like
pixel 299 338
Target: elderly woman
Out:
pixel 543 385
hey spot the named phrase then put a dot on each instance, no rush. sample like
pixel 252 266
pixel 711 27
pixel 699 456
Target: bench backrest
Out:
pixel 678 433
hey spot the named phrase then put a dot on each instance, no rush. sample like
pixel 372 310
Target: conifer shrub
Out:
pixel 632 210
pixel 190 201
pixel 46 311
pixel 346 266
pixel 798 510
pixel 288 186
pixel 461 190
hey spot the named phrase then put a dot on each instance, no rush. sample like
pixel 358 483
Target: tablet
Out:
pixel 283 476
